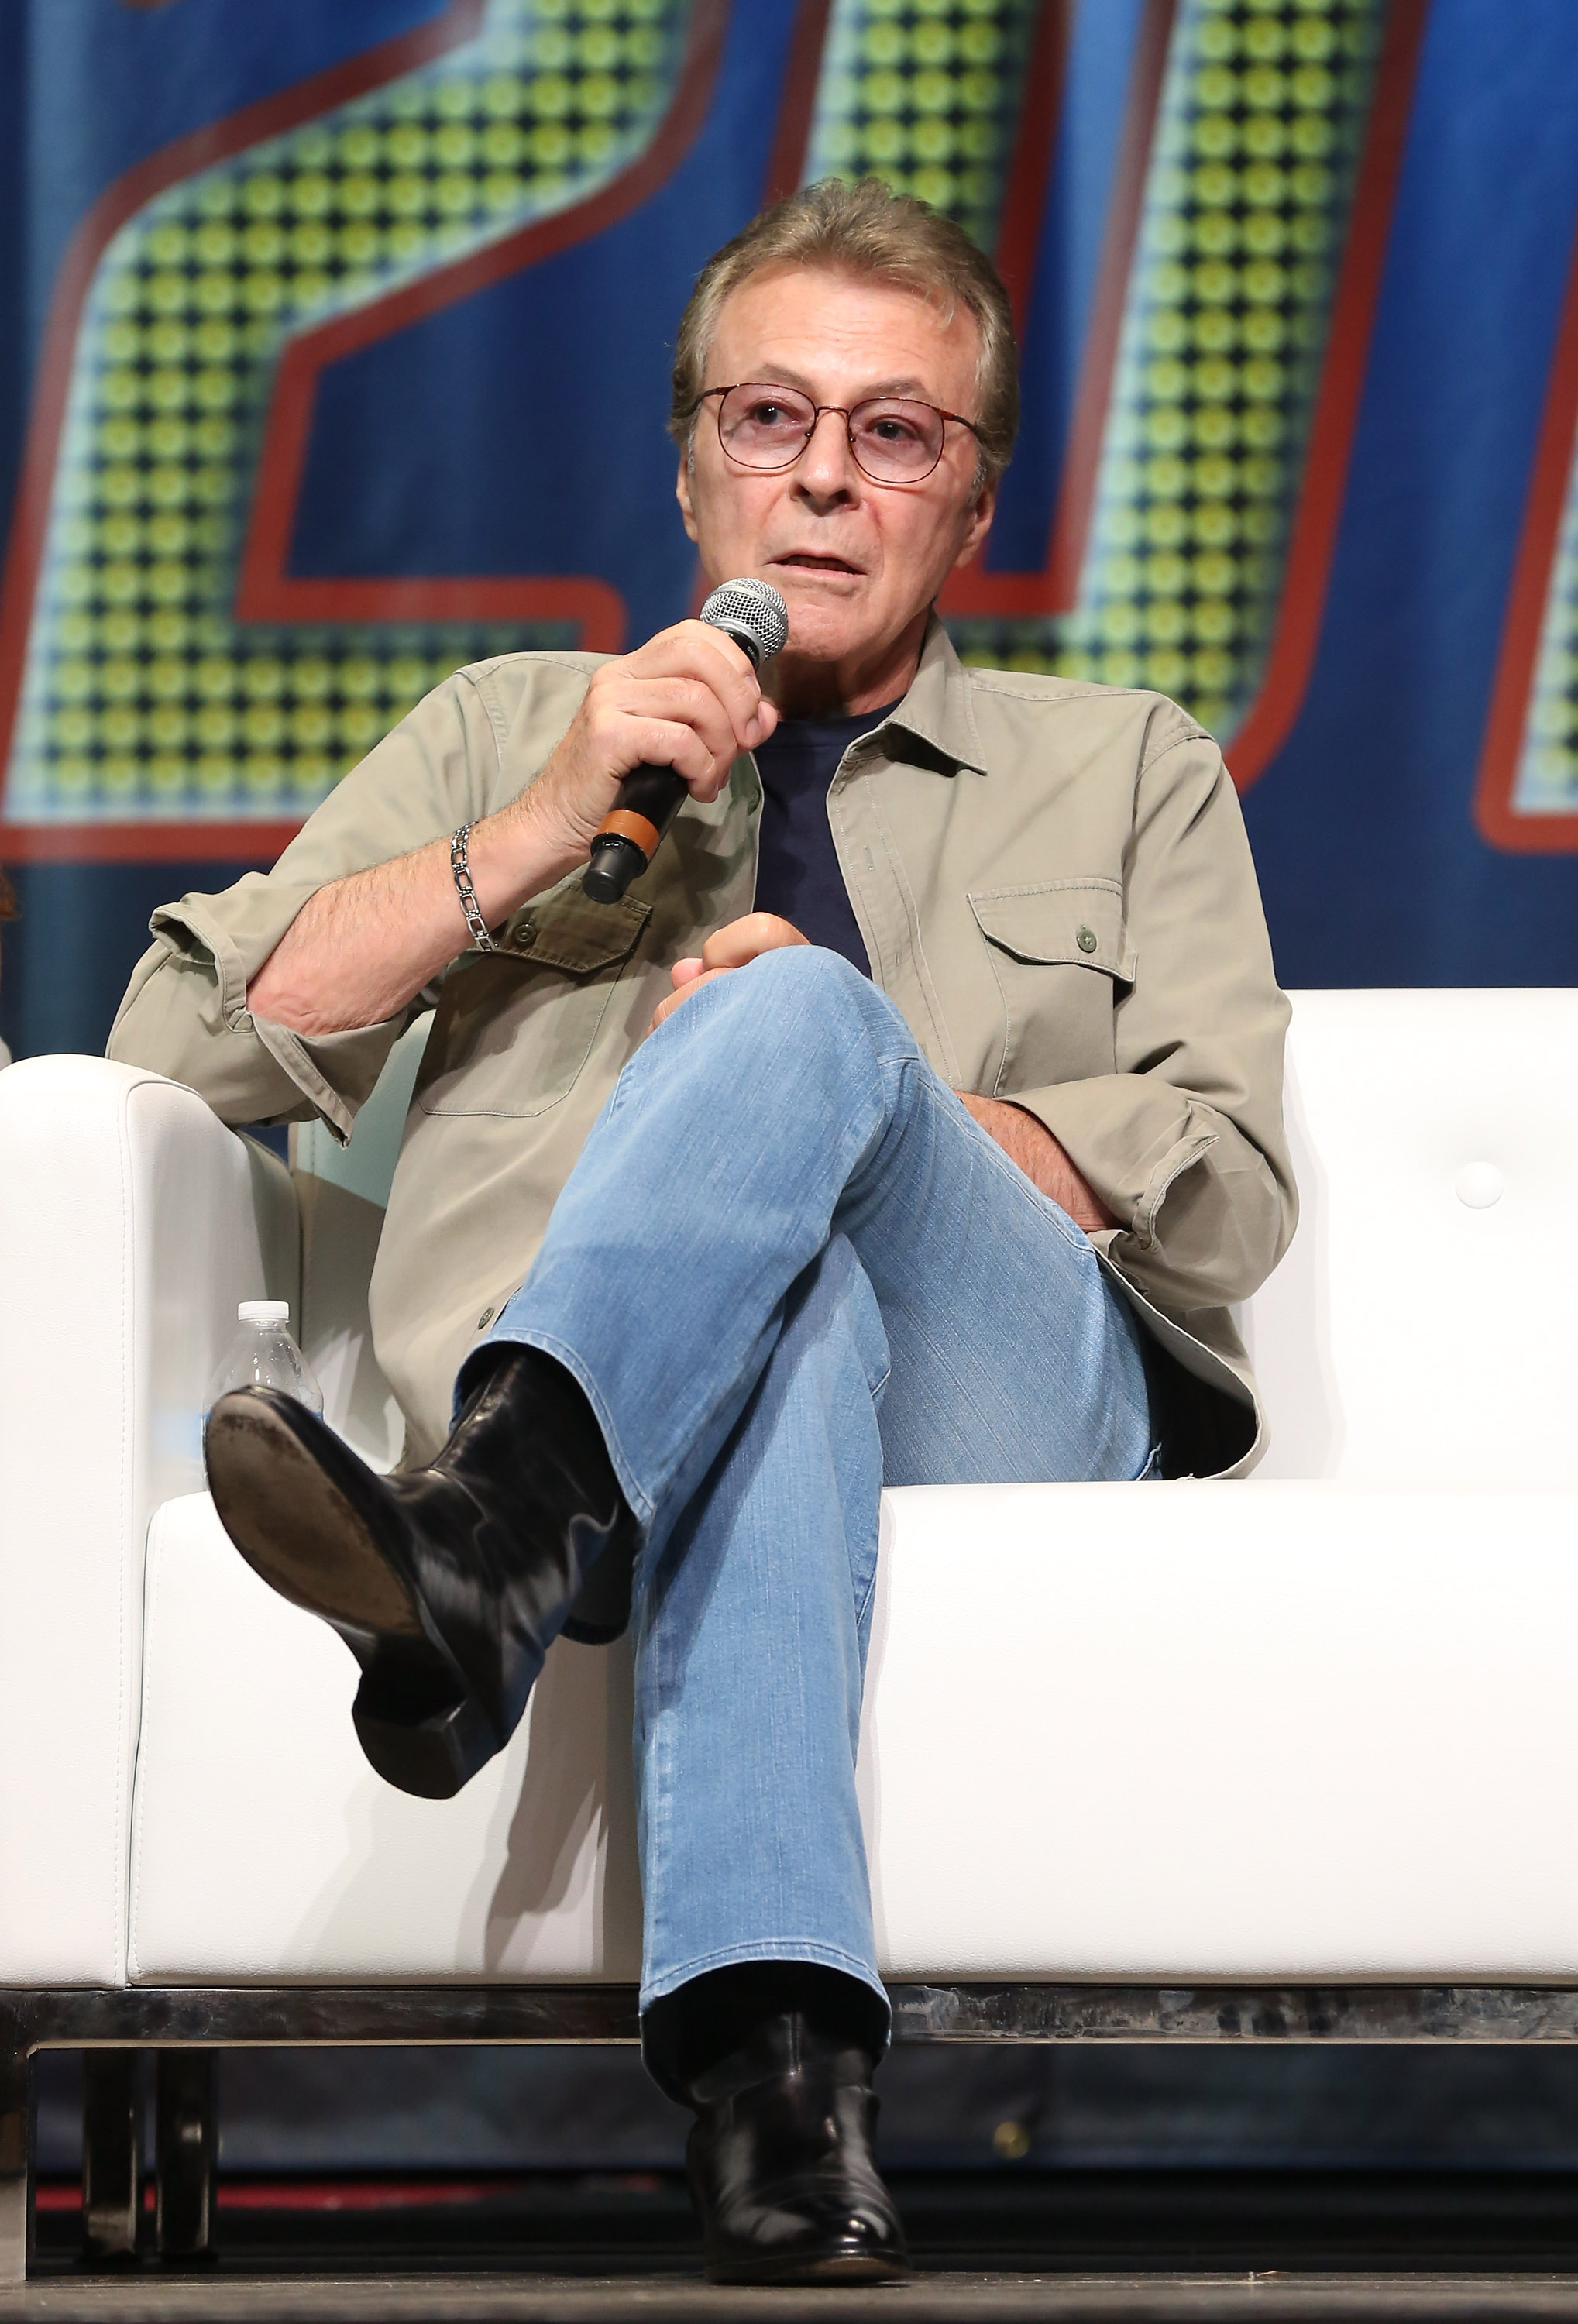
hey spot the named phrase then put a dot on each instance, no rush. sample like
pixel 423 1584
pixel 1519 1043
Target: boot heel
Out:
pixel 432 1758
pixel 418 1722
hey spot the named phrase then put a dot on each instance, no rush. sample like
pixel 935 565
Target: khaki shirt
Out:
pixel 1053 886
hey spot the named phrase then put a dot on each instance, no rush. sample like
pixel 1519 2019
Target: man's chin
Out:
pixel 827 611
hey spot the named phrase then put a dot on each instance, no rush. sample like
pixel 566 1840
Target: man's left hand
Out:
pixel 1031 1144
pixel 729 947
pixel 1023 1138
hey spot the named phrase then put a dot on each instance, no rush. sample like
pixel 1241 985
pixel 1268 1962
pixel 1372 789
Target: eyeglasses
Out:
pixel 894 439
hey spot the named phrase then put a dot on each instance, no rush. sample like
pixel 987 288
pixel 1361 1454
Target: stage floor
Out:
pixel 939 2299
pixel 1123 2247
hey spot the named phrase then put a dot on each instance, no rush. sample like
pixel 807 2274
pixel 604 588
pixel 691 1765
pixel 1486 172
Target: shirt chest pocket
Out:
pixel 514 1028
pixel 1061 957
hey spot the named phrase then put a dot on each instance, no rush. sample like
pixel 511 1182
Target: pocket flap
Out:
pixel 566 929
pixel 1076 920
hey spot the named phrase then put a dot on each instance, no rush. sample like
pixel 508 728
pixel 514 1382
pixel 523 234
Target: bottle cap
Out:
pixel 263 1311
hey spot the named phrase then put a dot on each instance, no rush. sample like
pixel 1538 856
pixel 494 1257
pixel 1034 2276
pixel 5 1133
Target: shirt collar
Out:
pixel 939 709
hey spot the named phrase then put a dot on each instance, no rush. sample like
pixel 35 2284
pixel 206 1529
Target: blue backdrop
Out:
pixel 334 341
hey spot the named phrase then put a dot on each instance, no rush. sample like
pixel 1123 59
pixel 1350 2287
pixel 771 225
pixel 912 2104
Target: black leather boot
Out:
pixel 448 1583
pixel 780 2160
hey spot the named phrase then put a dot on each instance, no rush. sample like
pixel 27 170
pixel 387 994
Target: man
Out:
pixel 690 1297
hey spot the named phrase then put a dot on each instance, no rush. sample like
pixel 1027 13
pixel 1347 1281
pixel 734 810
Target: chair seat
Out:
pixel 1256 1732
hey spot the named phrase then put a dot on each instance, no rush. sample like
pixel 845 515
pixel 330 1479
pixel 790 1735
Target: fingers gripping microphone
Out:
pixel 755 616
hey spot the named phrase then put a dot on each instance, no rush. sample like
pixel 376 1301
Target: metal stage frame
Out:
pixel 184 2024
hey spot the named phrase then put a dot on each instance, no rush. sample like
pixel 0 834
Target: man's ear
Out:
pixel 682 493
pixel 977 522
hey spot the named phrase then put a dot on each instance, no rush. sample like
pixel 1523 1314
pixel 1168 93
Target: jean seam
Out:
pixel 659 1792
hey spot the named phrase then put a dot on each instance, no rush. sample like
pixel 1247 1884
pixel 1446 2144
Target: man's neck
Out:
pixel 803 688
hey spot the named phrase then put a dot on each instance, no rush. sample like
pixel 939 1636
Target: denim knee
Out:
pixel 805 970
pixel 824 992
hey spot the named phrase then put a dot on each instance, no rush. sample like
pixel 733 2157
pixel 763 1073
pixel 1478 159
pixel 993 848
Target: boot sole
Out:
pixel 303 1537
pixel 851 2267
pixel 297 1530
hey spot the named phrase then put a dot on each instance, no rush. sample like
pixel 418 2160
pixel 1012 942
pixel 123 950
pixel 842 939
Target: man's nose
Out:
pixel 825 469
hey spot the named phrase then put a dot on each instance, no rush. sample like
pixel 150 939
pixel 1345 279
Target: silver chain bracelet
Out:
pixel 460 864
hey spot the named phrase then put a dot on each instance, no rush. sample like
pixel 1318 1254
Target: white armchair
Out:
pixel 1293 1758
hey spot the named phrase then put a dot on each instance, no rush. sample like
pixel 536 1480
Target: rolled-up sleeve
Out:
pixel 185 1011
pixel 1184 1142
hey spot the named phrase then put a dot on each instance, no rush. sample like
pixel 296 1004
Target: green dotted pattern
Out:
pixel 1546 781
pixel 1261 120
pixel 142 699
pixel 925 95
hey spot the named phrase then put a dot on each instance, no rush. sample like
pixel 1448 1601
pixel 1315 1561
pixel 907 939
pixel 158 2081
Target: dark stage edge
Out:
pixel 939 2299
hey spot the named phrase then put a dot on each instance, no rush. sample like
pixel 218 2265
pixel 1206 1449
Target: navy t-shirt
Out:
pixel 798 874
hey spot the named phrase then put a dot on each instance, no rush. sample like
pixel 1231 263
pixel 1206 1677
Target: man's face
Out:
pixel 858 563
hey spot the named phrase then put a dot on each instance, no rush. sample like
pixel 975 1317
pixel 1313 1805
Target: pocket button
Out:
pixel 1085 938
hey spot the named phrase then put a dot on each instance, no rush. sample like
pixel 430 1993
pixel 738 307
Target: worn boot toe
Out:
pixel 783 2175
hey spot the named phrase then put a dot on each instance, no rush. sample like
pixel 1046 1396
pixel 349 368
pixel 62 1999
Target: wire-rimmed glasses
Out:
pixel 893 439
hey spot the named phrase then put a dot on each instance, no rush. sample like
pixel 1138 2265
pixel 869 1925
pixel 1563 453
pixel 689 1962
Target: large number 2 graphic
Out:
pixel 377 388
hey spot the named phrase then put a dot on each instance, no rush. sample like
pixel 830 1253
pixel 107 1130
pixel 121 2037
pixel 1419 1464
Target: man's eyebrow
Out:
pixel 785 375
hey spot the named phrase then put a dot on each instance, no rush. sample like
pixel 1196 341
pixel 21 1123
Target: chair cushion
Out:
pixel 265 1848
pixel 1173 1734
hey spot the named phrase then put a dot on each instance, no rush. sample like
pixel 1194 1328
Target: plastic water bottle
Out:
pixel 262 1354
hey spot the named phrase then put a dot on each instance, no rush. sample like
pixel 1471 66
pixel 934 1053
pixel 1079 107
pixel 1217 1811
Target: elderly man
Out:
pixel 914 1120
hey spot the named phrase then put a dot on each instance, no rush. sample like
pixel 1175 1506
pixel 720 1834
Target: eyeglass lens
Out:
pixel 894 442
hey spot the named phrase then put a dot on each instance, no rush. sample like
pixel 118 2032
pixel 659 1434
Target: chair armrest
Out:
pixel 131 1223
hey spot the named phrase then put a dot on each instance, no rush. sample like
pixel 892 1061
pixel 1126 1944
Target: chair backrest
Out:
pixel 1418 1330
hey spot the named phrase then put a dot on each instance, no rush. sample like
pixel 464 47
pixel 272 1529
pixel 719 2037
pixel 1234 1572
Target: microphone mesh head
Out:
pixel 754 614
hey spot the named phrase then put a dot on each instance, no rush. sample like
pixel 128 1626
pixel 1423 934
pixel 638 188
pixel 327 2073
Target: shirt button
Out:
pixel 1085 938
pixel 485 1318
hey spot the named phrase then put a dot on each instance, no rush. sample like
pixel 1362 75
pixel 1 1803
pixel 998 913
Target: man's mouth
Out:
pixel 808 561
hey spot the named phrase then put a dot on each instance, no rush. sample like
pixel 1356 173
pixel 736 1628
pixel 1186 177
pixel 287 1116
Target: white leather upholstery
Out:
pixel 1281 1729
pixel 1229 1732
pixel 266 1847
pixel 1411 1335
pixel 131 1223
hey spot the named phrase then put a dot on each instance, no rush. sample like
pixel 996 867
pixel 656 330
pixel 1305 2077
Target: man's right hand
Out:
pixel 687 700
pixel 361 948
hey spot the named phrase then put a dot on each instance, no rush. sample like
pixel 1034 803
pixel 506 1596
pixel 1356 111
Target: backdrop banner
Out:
pixel 334 353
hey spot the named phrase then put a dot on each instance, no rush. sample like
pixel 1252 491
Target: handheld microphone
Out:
pixel 755 616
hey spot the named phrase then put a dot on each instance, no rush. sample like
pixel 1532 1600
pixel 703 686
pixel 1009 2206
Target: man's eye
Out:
pixel 767 415
pixel 888 427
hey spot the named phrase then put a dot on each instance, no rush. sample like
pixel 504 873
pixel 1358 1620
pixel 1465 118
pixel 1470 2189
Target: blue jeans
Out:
pixel 788 1268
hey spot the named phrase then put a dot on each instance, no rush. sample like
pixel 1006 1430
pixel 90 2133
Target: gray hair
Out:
pixel 867 231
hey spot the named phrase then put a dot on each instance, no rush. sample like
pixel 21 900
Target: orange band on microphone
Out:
pixel 624 825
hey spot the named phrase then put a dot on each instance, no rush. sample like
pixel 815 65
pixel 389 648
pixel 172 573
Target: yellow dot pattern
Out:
pixel 925 95
pixel 1250 181
pixel 142 698
pixel 1546 778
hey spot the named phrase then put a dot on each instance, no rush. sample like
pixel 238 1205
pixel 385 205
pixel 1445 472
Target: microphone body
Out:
pixel 755 616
